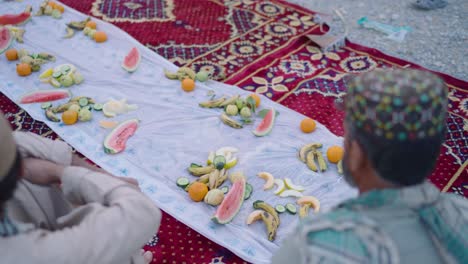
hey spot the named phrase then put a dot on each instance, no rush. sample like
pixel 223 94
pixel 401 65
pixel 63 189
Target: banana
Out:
pixel 46 57
pixel 213 179
pixel 212 103
pixel 70 33
pixel 77 99
pixel 185 72
pixel 340 167
pixel 64 107
pixel 304 210
pixel 221 178
pixel 78 25
pixel 321 161
pixel 17 33
pixel 267 208
pixel 311 161
pixel 230 122
pixel 307 148
pixel 271 224
pixel 40 12
pixel 51 116
pixel 229 101
pixel 201 171
pixel 204 179
pixel 170 75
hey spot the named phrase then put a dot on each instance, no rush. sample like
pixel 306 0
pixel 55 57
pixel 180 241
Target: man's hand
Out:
pixel 42 172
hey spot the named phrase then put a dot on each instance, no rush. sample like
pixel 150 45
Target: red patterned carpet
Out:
pixel 259 46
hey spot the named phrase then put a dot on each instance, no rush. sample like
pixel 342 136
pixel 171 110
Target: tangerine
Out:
pixel 70 117
pixel 100 36
pixel 197 191
pixel 91 24
pixel 308 125
pixel 59 8
pixel 23 69
pixel 335 154
pixel 11 54
pixel 52 4
pixel 256 97
pixel 188 85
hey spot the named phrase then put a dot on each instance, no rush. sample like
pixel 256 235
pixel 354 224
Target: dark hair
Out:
pixel 403 163
pixel 9 182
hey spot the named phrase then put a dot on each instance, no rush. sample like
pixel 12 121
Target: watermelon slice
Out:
pixel 231 204
pixel 265 127
pixel 5 39
pixel 15 19
pixel 115 142
pixel 43 96
pixel 132 60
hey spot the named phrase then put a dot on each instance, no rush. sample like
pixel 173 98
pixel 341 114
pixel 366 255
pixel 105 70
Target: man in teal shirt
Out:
pixel 395 125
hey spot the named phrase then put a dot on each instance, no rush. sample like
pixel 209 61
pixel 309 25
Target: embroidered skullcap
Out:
pixel 399 104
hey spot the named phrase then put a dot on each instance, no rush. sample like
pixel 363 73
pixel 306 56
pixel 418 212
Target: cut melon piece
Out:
pixel 15 19
pixel 292 186
pixel 5 39
pixel 265 127
pixel 132 60
pixel 254 216
pixel 309 200
pixel 231 204
pixel 280 188
pixel 270 180
pixel 116 141
pixel 291 193
pixel 43 96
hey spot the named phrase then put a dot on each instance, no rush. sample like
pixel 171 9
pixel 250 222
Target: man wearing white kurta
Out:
pixel 56 209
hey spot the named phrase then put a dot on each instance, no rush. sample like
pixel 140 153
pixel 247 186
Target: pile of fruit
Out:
pixel 28 62
pixel 310 154
pixel 76 109
pixel 64 75
pixel 50 8
pixel 187 76
pixel 89 29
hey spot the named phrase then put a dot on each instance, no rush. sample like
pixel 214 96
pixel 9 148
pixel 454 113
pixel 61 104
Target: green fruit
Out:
pixel 245 112
pixel 56 14
pixel 36 67
pixel 85 115
pixel 66 80
pixel 26 59
pixel 91 33
pixel 232 110
pixel 240 103
pixel 202 76
pixel 219 162
pixel 86 30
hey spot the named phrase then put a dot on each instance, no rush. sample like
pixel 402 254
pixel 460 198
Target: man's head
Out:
pixel 395 125
pixel 10 162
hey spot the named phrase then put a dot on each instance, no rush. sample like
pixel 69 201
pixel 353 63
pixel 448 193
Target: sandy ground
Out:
pixel 438 40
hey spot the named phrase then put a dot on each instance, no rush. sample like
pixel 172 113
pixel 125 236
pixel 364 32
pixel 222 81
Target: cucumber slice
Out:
pixel 56 75
pixel 248 191
pixel 183 182
pixel 65 68
pixel 46 105
pixel 194 165
pixel 98 107
pixel 291 208
pixel 225 189
pixel 219 162
pixel 83 101
pixel 86 107
pixel 280 209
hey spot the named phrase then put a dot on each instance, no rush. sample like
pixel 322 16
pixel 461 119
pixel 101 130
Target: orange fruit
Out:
pixel 52 4
pixel 308 125
pixel 70 117
pixel 59 8
pixel 256 97
pixel 188 85
pixel 197 191
pixel 91 24
pixel 335 154
pixel 23 69
pixel 11 54
pixel 100 36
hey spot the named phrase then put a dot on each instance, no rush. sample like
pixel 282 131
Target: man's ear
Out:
pixel 357 158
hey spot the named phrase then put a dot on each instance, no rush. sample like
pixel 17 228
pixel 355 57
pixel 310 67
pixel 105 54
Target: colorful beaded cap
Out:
pixel 398 104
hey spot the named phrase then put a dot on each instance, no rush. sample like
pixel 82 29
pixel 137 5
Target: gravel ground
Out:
pixel 438 40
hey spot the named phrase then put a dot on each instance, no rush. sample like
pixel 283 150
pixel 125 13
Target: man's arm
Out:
pixel 114 224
